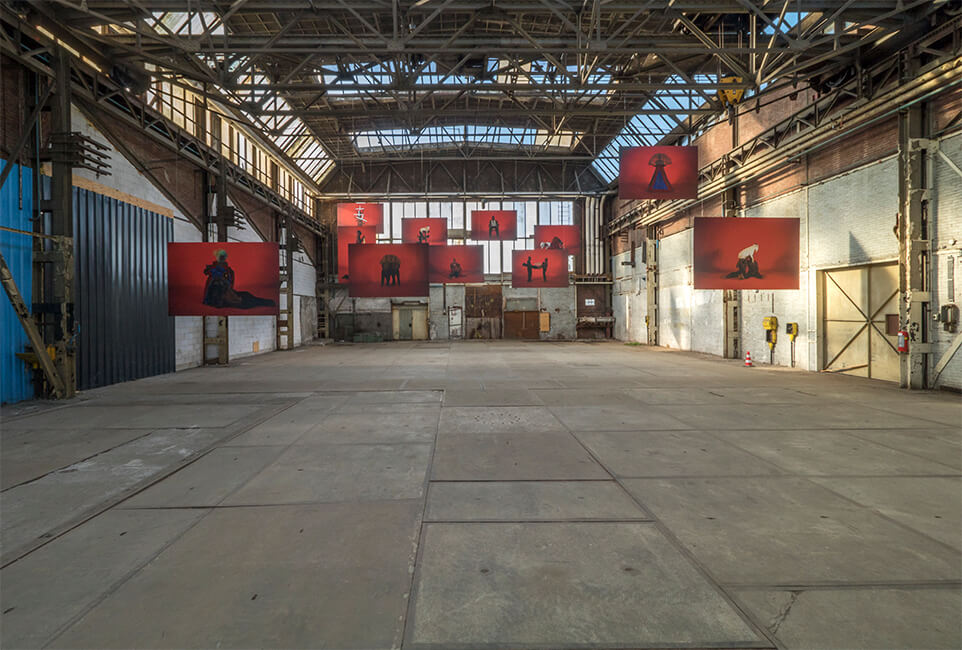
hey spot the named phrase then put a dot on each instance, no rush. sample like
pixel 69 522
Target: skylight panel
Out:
pixel 399 140
pixel 650 129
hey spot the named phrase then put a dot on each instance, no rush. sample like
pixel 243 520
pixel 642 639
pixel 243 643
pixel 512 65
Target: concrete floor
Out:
pixel 484 495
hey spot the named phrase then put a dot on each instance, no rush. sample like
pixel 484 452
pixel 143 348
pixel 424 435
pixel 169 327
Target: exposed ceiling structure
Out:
pixel 341 84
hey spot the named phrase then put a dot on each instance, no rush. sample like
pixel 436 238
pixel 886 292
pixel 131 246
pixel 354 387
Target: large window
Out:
pixel 497 255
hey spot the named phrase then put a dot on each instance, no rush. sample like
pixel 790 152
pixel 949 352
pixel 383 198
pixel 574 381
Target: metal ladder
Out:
pixel 285 316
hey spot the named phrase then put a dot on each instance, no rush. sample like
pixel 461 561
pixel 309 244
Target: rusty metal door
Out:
pixel 482 312
pixel 522 325
pixel 857 305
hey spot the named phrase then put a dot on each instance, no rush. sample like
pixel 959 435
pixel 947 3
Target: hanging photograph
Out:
pixel 223 279
pixel 658 173
pixel 539 268
pixel 494 225
pixel 388 270
pixel 455 264
pixel 426 230
pixel 746 253
pixel 558 238
pixel 346 237
pixel 360 215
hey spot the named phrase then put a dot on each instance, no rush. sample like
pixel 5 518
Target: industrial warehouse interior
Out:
pixel 477 324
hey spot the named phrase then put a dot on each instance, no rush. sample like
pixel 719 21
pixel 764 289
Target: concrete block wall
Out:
pixel 945 218
pixel 248 334
pixel 188 330
pixel 557 301
pixel 561 303
pixel 373 315
pixel 367 315
pixel 441 298
pixel 437 317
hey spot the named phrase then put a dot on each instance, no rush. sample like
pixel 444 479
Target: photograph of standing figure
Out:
pixel 494 225
pixel 543 268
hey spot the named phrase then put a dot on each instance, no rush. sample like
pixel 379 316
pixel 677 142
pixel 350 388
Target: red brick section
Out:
pixel 869 144
pixel 11 120
pixel 180 178
pixel 945 109
pixel 772 111
pixel 620 244
pixel 714 143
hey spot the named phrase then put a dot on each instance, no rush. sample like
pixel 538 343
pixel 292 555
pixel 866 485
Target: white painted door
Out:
pixel 855 303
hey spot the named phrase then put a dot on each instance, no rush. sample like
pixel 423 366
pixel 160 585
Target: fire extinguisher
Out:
pixel 903 344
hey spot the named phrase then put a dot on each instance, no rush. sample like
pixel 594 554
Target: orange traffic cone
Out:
pixel 748 359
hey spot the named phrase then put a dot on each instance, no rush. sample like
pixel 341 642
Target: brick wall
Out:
pixel 675 291
pixel 629 297
pixel 845 220
pixel 789 306
pixel 852 216
pixel 557 301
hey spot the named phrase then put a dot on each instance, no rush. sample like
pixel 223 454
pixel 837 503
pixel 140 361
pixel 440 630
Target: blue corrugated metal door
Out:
pixel 16 205
pixel 121 291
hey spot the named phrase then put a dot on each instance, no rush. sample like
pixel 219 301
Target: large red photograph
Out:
pixel 426 230
pixel 388 270
pixel 658 173
pixel 539 268
pixel 456 264
pixel 558 237
pixel 360 215
pixel 736 253
pixel 494 225
pixel 346 237
pixel 223 279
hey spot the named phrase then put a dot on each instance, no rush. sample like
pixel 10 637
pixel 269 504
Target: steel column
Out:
pixel 914 243
pixel 651 284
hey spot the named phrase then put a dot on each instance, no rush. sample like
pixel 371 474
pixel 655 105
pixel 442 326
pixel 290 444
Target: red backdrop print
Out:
pixel 360 214
pixel 245 283
pixel 346 237
pixel 736 253
pixel 412 231
pixel 388 270
pixel 528 270
pixel 658 173
pixel 503 227
pixel 564 237
pixel 455 264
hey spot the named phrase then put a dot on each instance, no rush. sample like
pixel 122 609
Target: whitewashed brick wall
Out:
pixel 675 291
pixel 629 297
pixel 852 216
pixel 305 301
pixel 844 221
pixel 788 306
